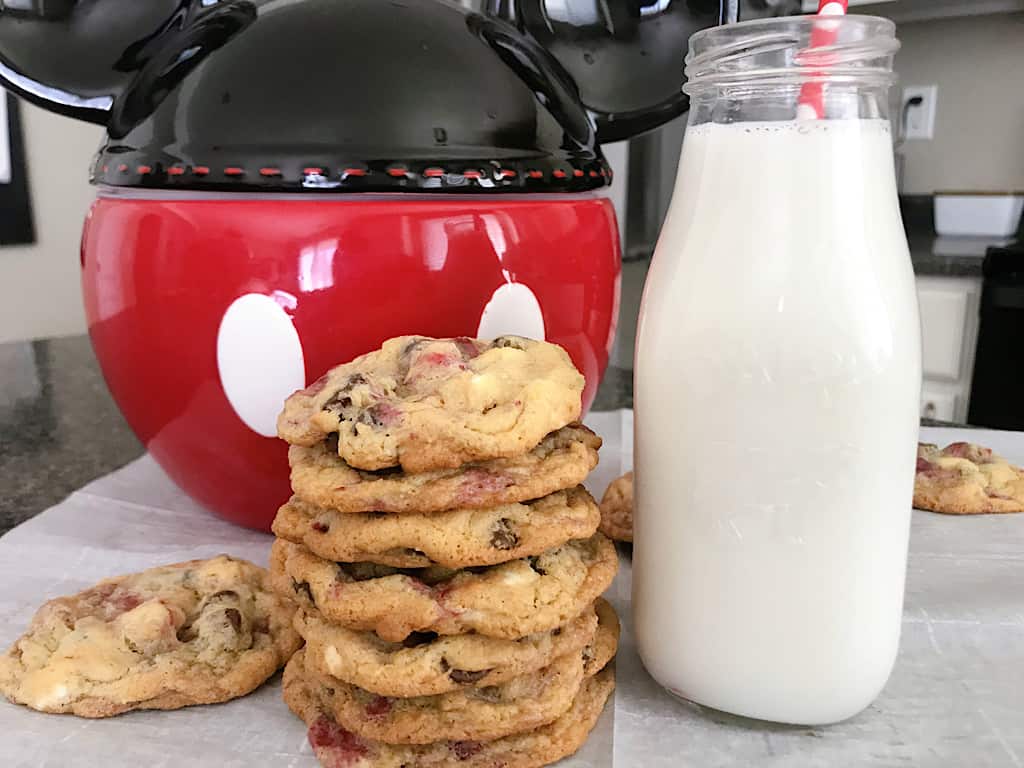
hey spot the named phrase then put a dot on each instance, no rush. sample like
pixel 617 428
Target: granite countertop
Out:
pixel 946 257
pixel 61 429
pixel 935 255
pixel 60 426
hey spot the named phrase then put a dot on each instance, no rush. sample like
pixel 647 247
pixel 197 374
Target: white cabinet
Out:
pixel 921 10
pixel 945 305
pixel 949 337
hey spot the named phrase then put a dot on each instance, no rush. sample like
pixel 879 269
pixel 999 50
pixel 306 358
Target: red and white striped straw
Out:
pixel 811 105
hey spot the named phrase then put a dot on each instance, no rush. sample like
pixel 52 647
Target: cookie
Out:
pixel 480 713
pixel 511 600
pixel 428 664
pixel 335 746
pixel 455 539
pixel 197 632
pixel 600 652
pixel 562 459
pixel 966 479
pixel 474 714
pixel 617 509
pixel 426 404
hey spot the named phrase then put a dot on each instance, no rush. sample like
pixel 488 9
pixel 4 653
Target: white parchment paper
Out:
pixel 956 697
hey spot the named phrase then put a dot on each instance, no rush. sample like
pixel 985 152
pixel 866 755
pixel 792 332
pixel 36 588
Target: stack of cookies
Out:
pixel 445 558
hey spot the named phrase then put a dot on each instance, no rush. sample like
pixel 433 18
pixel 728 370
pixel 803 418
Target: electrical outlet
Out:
pixel 919 119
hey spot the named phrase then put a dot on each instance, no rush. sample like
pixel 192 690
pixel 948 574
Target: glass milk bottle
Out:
pixel 777 382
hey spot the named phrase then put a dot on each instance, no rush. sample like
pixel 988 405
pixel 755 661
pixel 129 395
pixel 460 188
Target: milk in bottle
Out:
pixel 777 387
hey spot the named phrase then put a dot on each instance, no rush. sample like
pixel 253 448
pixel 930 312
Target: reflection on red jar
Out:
pixel 205 314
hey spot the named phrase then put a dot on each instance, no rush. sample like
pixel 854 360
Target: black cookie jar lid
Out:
pixel 300 95
pixel 353 95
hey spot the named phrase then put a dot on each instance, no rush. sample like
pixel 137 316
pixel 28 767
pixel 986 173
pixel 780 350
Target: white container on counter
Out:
pixel 978 214
pixel 778 374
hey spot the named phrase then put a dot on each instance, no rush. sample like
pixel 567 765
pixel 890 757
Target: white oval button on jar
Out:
pixel 512 311
pixel 260 360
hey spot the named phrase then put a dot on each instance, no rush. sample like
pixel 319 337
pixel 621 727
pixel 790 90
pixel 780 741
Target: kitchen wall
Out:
pixel 39 287
pixel 978 64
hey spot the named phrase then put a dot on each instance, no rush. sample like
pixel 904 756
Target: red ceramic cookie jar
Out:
pixel 286 185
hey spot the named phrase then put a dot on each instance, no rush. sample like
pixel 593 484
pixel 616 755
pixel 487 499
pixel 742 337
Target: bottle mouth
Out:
pixel 778 51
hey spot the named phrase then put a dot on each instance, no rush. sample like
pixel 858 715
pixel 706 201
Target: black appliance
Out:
pixel 997 397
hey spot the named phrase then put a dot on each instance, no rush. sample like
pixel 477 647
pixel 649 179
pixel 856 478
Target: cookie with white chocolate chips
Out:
pixel 426 404
pixel 427 664
pixel 966 479
pixel 617 509
pixel 474 713
pixel 457 538
pixel 335 746
pixel 562 459
pixel 198 632
pixel 510 600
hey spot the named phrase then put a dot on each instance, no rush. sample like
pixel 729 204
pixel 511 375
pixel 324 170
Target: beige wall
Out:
pixel 978 64
pixel 39 287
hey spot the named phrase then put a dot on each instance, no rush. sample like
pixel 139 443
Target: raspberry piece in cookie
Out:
pixel 966 479
pixel 428 404
pixel 198 632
